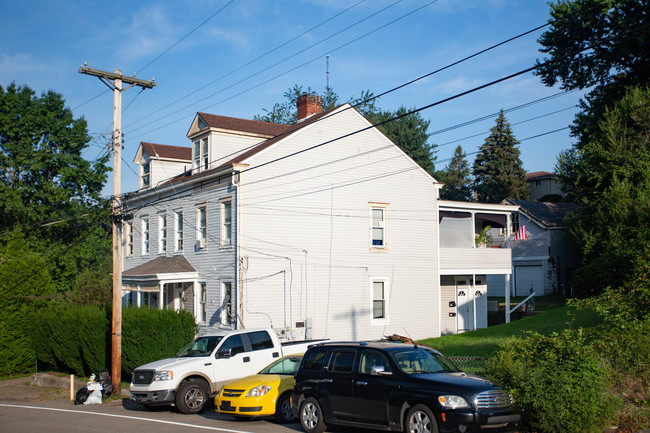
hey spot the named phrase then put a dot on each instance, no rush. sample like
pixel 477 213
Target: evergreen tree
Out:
pixel 497 169
pixel 458 185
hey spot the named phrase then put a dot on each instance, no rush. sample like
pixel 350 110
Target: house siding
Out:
pixel 308 217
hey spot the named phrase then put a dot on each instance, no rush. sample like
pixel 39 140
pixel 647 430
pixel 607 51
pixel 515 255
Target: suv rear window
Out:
pixel 314 359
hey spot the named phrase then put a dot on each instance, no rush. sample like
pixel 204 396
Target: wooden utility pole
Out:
pixel 117 86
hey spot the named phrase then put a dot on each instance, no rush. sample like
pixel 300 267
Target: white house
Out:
pixel 323 228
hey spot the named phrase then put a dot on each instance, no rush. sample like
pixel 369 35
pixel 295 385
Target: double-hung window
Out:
pixel 201 226
pixel 226 222
pixel 227 312
pixel 200 155
pixel 179 231
pixel 146 175
pixel 379 300
pixel 202 302
pixel 145 235
pixel 162 235
pixel 378 226
pixel 129 239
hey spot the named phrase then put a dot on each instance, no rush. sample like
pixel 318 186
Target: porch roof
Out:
pixel 161 265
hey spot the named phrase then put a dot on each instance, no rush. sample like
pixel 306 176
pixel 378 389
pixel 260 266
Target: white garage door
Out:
pixel 527 277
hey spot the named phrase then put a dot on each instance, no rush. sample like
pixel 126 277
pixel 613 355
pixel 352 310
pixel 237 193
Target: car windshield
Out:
pixel 202 346
pixel 287 365
pixel 422 360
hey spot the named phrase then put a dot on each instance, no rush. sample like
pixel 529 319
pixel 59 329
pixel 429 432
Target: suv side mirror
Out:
pixel 378 370
pixel 225 353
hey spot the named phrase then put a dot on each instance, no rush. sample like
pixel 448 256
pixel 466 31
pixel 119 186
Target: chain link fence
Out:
pixel 470 364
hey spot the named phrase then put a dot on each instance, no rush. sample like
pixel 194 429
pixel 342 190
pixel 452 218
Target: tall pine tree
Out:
pixel 458 184
pixel 498 171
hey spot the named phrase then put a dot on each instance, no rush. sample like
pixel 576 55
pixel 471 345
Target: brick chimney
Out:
pixel 308 105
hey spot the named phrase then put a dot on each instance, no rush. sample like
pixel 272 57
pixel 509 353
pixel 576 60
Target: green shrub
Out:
pixel 77 339
pixel 557 379
pixel 71 338
pixel 149 335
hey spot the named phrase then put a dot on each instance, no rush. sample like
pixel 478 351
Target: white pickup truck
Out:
pixel 201 368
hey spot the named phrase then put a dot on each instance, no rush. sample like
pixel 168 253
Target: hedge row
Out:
pixel 77 339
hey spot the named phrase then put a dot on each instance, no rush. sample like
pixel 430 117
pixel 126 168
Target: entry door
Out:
pixel 465 312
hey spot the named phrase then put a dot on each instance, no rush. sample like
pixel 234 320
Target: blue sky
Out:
pixel 224 66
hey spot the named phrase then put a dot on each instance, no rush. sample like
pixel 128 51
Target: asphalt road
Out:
pixel 29 408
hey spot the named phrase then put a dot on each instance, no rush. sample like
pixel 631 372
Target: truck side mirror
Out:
pixel 225 353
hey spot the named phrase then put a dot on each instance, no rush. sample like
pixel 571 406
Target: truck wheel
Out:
pixel 283 412
pixel 311 416
pixel 191 396
pixel 420 419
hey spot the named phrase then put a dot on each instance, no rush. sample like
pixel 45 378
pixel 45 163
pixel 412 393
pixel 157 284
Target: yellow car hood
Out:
pixel 257 380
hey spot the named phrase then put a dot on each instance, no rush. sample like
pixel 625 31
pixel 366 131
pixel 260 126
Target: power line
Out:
pixel 248 63
pixel 275 64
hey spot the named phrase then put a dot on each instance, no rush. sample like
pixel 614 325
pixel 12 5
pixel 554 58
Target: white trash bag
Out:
pixel 95 397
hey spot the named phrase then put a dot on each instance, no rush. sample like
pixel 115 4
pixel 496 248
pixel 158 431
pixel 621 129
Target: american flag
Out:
pixel 521 233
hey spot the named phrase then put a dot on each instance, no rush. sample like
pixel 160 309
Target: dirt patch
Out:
pixel 22 390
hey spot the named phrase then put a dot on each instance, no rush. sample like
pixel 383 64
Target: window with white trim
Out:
pixel 226 222
pixel 227 312
pixel 201 226
pixel 162 235
pixel 200 155
pixel 379 300
pixel 202 302
pixel 129 239
pixel 178 245
pixel 145 235
pixel 145 174
pixel 377 226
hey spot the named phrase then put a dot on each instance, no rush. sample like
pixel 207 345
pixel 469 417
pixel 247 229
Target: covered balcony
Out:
pixel 474 238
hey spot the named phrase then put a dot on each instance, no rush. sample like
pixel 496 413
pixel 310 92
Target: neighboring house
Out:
pixel 542 184
pixel 543 263
pixel 323 228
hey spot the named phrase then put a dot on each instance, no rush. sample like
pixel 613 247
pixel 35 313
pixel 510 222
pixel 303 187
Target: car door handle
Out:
pixel 207 363
pixel 276 354
pixel 247 359
pixel 327 380
pixel 361 383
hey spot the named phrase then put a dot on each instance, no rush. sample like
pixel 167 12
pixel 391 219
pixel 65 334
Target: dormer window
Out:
pixel 200 155
pixel 145 175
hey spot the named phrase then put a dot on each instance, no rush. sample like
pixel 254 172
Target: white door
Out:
pixel 480 303
pixel 464 305
pixel 527 277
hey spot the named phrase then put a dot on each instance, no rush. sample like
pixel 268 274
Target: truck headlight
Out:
pixel 258 391
pixel 163 375
pixel 453 402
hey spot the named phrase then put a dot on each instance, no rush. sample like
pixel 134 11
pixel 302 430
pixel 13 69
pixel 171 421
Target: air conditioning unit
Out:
pixel 200 243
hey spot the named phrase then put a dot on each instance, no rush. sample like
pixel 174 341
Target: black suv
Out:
pixel 399 387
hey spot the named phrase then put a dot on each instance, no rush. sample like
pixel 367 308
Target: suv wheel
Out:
pixel 191 396
pixel 420 419
pixel 311 416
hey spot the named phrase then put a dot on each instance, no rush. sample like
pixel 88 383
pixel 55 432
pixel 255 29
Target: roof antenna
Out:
pixel 327 73
pixel 415 345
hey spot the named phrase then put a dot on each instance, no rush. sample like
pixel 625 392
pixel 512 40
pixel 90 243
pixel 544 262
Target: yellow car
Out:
pixel 265 393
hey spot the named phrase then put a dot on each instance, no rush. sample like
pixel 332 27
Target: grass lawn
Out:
pixel 484 342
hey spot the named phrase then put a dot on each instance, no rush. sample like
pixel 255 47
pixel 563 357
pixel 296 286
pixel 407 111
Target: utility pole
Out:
pixel 116 329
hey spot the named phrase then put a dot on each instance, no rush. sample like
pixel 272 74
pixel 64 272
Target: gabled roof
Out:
pixel 204 121
pixel 550 215
pixel 163 151
pixel 289 130
pixel 539 175
pixel 161 265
